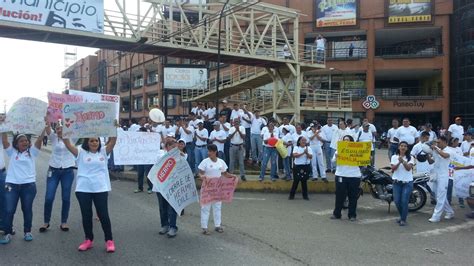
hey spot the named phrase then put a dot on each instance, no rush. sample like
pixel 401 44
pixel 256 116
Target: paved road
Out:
pixel 260 229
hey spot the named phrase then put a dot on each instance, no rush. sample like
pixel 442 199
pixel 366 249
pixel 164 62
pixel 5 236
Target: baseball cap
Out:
pixel 199 122
pixel 216 123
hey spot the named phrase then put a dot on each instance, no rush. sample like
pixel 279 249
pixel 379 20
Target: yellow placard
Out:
pixel 353 153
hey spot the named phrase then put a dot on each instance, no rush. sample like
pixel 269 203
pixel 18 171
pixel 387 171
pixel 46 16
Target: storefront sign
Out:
pixel 409 11
pixel 414 104
pixel 336 13
pixel 371 103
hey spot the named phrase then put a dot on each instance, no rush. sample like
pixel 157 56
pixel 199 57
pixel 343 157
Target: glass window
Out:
pixel 152 77
pixel 153 100
pixel 137 103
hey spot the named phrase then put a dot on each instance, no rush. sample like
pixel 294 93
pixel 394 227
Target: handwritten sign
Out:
pixel 90 97
pixel 136 148
pixel 86 120
pixel 353 153
pixel 26 116
pixel 56 102
pixel 218 189
pixel 173 178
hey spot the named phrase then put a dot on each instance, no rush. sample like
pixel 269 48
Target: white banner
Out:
pixel 136 148
pixel 173 178
pixel 86 120
pixel 90 97
pixel 69 14
pixel 184 78
pixel 26 116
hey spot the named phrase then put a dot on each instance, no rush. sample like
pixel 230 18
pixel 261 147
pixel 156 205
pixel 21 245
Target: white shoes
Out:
pixel 449 216
pixel 433 220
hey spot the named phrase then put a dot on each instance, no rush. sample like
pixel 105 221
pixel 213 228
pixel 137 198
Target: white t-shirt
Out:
pixel 441 165
pixel 315 141
pixel 391 134
pixel 287 139
pixel 2 158
pixel 320 44
pixel 193 123
pixel 211 114
pixel 291 128
pixel 61 157
pixel 302 160
pixel 92 172
pixel 236 139
pixel 421 167
pixel 22 167
pixel 465 146
pixel 339 135
pixel 244 123
pixel 236 114
pixel 169 131
pixel 347 171
pixel 255 127
pixel 328 132
pixel 402 174
pixel 296 136
pixel 194 110
pixel 213 169
pixel 220 135
pixel 203 134
pixel 365 137
pixel 134 128
pixel 187 137
pixel 407 134
pixel 457 131
pixel 267 135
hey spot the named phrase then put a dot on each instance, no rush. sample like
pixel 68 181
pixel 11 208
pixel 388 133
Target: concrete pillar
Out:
pixel 445 115
pixel 370 75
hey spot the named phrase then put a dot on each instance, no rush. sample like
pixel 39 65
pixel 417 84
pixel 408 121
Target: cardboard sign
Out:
pixel 218 189
pixel 55 105
pixel 353 153
pixel 86 120
pixel 136 148
pixel 90 97
pixel 173 178
pixel 26 116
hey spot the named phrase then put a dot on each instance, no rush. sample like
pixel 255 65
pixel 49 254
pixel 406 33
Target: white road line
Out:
pixel 327 212
pixel 239 198
pixel 377 220
pixel 449 229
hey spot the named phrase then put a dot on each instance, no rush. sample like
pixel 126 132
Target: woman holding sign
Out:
pixel 93 186
pixel 402 165
pixel 20 183
pixel 347 186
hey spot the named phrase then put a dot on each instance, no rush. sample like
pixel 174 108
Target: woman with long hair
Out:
pixel 402 165
pixel 302 155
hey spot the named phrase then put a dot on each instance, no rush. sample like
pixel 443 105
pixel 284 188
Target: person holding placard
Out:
pixel 20 182
pixel 61 170
pixel 212 167
pixel 302 168
pixel 93 186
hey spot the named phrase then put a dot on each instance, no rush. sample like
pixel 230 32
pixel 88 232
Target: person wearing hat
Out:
pixel 201 136
pixel 456 130
pixel 218 137
pixel 237 148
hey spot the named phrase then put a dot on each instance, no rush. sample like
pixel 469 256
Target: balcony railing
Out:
pixel 407 93
pixel 407 51
pixel 345 54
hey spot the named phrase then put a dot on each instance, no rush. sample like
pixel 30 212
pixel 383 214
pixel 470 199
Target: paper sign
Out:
pixel 90 97
pixel 55 105
pixel 26 116
pixel 136 148
pixel 86 120
pixel 218 189
pixel 353 153
pixel 173 178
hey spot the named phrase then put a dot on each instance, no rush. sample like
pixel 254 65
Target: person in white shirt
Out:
pixel 320 48
pixel 302 155
pixel 246 122
pixel 286 51
pixel 424 161
pixel 365 135
pixel 402 164
pixel 237 149
pixel 20 182
pixel 256 138
pixel 218 137
pixel 299 133
pixel 134 126
pixel 338 135
pixel 466 144
pixel 194 108
pixel 406 133
pixel 236 113
pixel 286 122
pixel 327 132
pixel 93 186
pixel 61 170
pixel 393 144
pixel 269 152
pixel 186 132
pixel 428 128
pixel 201 136
pixel 315 143
pixel 455 151
pixel 441 172
pixel 347 186
pixel 168 130
pixel 212 167
pixel 225 126
pixel 288 142
pixel 210 113
pixel 456 130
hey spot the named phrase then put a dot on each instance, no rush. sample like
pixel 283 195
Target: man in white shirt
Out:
pixel 269 152
pixel 237 137
pixel 236 113
pixel 3 175
pixel 255 138
pixel 246 122
pixel 456 130
pixel 168 130
pixel 327 132
pixel 424 161
pixel 466 144
pixel 186 132
pixel 225 126
pixel 209 116
pixel 393 145
pixel 320 48
pixel 200 151
pixel 218 137
pixel 194 108
pixel 134 127
pixel 406 133
pixel 317 160
pixel 428 128
pixel 365 135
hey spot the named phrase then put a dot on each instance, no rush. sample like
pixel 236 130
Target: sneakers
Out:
pixel 138 190
pixel 219 229
pixel 87 244
pixel 205 231
pixel 433 220
pixel 172 232
pixel 164 230
pixel 6 239
pixel 28 237
pixel 149 191
pixel 325 180
pixel 110 246
pixel 243 178
pixel 449 216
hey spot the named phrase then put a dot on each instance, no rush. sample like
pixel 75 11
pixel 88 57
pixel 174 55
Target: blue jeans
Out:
pixel 142 172
pixel 3 174
pixel 401 197
pixel 257 147
pixel 15 192
pixel 247 143
pixel 201 154
pixel 270 154
pixel 328 154
pixel 168 215
pixel 66 177
pixel 392 149
pixel 286 166
pixel 191 157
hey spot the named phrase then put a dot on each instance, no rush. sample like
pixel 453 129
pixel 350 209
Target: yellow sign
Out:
pixel 353 153
pixel 409 19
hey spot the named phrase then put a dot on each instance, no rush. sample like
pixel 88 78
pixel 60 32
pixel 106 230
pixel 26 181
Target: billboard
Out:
pixel 330 13
pixel 409 11
pixel 184 77
pixel 69 14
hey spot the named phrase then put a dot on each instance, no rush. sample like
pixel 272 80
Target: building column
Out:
pixel 445 114
pixel 370 75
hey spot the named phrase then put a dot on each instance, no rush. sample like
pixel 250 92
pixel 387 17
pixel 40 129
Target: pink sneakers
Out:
pixel 87 244
pixel 110 246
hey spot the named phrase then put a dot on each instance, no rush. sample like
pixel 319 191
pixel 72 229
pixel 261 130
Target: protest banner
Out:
pixel 3 126
pixel 136 148
pixel 218 189
pixel 90 97
pixel 353 153
pixel 86 120
pixel 462 178
pixel 26 116
pixel 55 105
pixel 173 178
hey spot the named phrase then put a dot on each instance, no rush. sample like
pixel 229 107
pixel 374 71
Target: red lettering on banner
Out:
pixel 166 169
pixel 83 117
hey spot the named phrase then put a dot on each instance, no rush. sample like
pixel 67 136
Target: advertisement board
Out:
pixel 69 14
pixel 177 78
pixel 409 11
pixel 330 13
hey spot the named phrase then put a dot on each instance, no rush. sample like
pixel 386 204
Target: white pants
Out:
pixel 317 161
pixel 442 204
pixel 206 211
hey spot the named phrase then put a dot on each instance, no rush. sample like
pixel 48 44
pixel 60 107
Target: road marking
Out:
pixel 239 198
pixel 377 220
pixel 327 212
pixel 449 229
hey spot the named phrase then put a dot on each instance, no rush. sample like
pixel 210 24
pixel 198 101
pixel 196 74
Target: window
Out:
pixel 152 77
pixel 113 87
pixel 137 103
pixel 125 86
pixel 137 81
pixel 125 106
pixel 171 102
pixel 153 100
